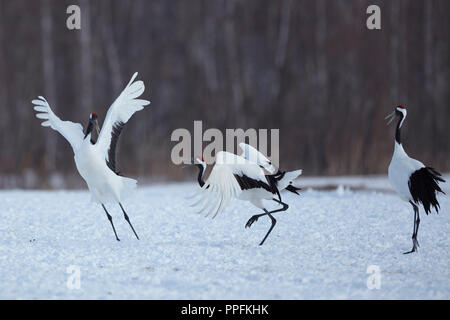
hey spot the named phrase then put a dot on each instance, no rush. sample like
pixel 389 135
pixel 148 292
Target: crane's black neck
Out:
pixel 200 175
pixel 397 131
pixel 273 181
pixel 89 129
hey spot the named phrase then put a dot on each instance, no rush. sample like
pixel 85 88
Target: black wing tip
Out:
pixel 424 186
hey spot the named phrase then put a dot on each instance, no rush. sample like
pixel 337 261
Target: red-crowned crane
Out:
pixel 96 161
pixel 234 176
pixel 413 181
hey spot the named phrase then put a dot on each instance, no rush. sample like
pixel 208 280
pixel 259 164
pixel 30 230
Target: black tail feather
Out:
pixel 424 185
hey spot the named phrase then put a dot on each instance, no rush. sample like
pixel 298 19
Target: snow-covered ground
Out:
pixel 320 248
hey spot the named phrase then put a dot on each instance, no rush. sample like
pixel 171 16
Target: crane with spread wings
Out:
pixel 96 160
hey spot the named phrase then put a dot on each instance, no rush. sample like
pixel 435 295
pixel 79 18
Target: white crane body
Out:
pixel 413 181
pixel 96 161
pixel 237 177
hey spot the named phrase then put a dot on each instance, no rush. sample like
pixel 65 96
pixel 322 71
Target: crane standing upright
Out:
pixel 413 181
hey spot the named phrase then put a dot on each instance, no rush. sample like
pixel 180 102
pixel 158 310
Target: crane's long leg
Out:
pixel 269 213
pixel 128 220
pixel 415 229
pixel 110 220
pixel 274 222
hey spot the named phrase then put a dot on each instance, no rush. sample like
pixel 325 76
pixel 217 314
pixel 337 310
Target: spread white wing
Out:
pixel 252 154
pixel 73 132
pixel 118 114
pixel 222 185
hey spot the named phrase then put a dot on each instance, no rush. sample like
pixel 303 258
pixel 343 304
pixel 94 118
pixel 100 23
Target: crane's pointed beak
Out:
pixel 391 118
pixel 97 127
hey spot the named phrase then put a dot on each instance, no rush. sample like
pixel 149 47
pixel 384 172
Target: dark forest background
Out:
pixel 310 68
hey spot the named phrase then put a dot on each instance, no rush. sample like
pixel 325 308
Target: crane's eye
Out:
pixel 290 182
pixel 270 162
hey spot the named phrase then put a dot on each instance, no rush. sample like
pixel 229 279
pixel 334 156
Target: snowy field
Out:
pixel 320 248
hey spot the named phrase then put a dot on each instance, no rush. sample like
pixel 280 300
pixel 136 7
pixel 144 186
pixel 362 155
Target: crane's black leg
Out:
pixel 128 220
pixel 257 216
pixel 415 229
pixel 110 220
pixel 274 222
pixel 269 213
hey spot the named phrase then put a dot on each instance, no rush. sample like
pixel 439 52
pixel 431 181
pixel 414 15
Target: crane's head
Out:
pixel 93 124
pixel 400 111
pixel 200 161
pixel 285 180
pixel 201 164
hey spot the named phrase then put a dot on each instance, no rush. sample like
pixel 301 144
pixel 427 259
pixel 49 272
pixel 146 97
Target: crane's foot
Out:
pixel 251 221
pixel 412 250
pixel 415 246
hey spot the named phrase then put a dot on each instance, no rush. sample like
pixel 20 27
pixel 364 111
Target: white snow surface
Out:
pixel 319 249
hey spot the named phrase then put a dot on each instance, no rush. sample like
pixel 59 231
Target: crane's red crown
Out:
pixel 401 107
pixel 94 115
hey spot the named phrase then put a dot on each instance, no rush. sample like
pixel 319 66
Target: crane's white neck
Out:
pixel 398 150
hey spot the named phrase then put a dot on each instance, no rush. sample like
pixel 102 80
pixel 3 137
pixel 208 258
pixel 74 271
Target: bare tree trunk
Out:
pixel 4 120
pixel 393 48
pixel 428 43
pixel 283 34
pixel 321 37
pixel 281 49
pixel 209 61
pixel 321 81
pixel 110 47
pixel 233 63
pixel 49 78
pixel 430 57
pixel 86 95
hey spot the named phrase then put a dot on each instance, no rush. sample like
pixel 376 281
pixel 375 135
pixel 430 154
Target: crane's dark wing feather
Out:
pixel 115 133
pixel 424 186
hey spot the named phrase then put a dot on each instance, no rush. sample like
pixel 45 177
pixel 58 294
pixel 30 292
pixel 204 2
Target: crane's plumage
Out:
pixel 252 154
pixel 400 170
pixel 73 132
pixel 118 114
pixel 96 161
pixel 413 181
pixel 424 185
pixel 222 186
pixel 236 177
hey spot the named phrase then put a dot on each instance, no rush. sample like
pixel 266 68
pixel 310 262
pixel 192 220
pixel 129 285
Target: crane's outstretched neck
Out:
pixel 399 126
pixel 201 169
pixel 89 128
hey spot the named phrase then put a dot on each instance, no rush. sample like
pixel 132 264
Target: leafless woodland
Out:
pixel 310 68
